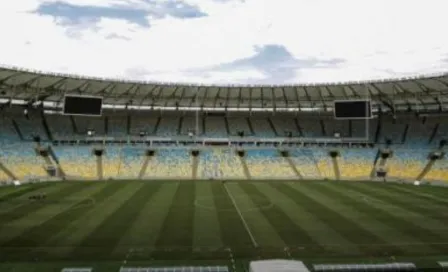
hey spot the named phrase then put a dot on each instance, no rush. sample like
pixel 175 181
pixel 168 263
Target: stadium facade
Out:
pixel 153 130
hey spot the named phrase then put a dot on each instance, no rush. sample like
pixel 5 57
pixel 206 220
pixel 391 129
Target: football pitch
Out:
pixel 106 225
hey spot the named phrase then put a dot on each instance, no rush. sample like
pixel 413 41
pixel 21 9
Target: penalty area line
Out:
pixel 254 242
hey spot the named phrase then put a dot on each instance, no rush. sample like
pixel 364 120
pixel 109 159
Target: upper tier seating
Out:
pixel 238 124
pixel 60 126
pixel 142 124
pixel 84 124
pixel 336 126
pixel 311 127
pixel 191 124
pixel 392 129
pixel 168 126
pixel 284 125
pixel 215 127
pixel 31 127
pixel 8 133
pixel 261 127
pixel 117 126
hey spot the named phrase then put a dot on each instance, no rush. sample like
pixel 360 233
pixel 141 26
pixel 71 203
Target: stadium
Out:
pixel 108 175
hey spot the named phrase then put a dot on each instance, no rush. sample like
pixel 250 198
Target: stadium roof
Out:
pixel 31 85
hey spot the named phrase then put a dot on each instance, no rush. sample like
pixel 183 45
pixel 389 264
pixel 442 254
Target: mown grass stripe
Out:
pixel 53 194
pixel 18 192
pixel 430 219
pixel 421 194
pixel 322 233
pixel 92 220
pixel 146 228
pixel 416 221
pixel 233 232
pixel 396 229
pixel 106 235
pixel 291 233
pixel 260 227
pixel 42 240
pixel 65 241
pixel 206 224
pixel 344 223
pixel 430 206
pixel 48 222
pixel 177 230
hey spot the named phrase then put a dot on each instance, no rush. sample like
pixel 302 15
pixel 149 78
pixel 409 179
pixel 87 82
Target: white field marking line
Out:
pixel 127 257
pixel 232 259
pixel 286 249
pixel 197 203
pixel 241 216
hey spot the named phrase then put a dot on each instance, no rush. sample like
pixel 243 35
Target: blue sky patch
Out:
pixel 76 14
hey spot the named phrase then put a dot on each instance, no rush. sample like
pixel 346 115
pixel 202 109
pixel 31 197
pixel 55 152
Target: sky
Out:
pixel 227 41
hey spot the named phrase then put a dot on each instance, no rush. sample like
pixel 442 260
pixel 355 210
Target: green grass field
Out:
pixel 109 224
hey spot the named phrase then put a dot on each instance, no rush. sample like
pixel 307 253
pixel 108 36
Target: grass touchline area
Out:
pixel 105 224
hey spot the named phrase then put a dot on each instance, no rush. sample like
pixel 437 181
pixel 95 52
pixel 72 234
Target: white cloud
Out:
pixel 375 38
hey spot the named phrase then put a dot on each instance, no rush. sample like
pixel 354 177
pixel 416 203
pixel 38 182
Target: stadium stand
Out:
pixel 131 161
pixel 168 126
pixel 406 163
pixel 324 163
pixel 84 124
pixel 21 159
pixel 117 126
pixel 267 163
pixel 77 161
pixel 143 124
pixel 170 163
pixel 215 127
pixel 356 163
pixel 60 126
pixel 308 136
pixel 220 163
pixel 261 127
pixel 306 163
pixel 238 124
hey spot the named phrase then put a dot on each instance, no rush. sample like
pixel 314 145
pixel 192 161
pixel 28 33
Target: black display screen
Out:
pixel 83 105
pixel 359 109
